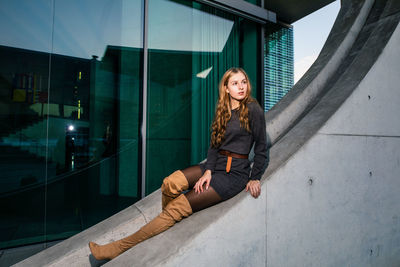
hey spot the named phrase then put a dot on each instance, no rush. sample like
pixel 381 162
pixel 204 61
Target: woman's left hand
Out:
pixel 255 188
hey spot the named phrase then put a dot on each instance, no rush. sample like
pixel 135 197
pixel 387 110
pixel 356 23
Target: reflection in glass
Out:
pixel 24 72
pixel 254 2
pixel 70 83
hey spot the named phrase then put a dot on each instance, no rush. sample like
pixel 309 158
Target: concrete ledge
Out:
pixel 207 235
pixel 75 251
pixel 346 28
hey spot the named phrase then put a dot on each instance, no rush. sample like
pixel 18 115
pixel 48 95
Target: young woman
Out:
pixel 238 124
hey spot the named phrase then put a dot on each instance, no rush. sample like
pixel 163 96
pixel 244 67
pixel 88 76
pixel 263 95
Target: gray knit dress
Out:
pixel 238 140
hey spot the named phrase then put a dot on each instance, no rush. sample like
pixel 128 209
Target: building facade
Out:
pixel 278 64
pixel 100 100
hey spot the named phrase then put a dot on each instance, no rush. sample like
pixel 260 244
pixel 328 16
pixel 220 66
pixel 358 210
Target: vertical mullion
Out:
pixel 144 99
pixel 262 70
pixel 48 122
pixel 261 62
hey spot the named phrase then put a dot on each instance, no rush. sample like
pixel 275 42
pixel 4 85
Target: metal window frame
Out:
pixel 144 99
pixel 261 62
pixel 243 9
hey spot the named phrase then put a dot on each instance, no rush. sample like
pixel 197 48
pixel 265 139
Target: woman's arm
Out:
pixel 212 155
pixel 259 133
pixel 258 130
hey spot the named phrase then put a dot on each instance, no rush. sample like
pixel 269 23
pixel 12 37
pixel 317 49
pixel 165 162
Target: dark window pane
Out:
pixel 25 44
pixel 93 122
pixel 80 107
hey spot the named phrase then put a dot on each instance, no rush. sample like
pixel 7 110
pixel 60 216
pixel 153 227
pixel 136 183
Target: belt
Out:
pixel 231 155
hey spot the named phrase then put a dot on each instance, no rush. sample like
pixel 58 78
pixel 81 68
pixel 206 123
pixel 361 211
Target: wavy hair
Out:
pixel 223 111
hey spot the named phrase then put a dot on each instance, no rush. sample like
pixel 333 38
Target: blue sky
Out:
pixel 310 34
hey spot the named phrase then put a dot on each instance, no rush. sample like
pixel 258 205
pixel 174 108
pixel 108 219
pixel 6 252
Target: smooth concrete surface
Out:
pixel 292 106
pixel 336 202
pixel 329 195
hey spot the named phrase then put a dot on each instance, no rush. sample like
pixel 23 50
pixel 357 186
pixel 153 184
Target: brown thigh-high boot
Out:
pixel 173 186
pixel 177 209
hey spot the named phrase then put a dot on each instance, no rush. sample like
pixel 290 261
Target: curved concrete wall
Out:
pixel 303 95
pixel 330 193
pixel 336 201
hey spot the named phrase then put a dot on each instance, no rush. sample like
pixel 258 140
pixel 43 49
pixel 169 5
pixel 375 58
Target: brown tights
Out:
pixel 199 201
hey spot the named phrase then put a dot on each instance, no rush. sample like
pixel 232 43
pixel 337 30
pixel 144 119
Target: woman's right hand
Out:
pixel 206 178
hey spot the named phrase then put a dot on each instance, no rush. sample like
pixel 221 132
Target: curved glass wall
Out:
pixel 70 81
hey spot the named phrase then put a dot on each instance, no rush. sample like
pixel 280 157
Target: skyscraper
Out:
pixel 278 63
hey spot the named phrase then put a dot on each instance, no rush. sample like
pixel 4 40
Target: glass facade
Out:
pixel 278 64
pixel 71 106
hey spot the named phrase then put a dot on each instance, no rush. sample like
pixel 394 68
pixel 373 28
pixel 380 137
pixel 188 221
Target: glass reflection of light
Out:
pixel 187 29
pixel 204 73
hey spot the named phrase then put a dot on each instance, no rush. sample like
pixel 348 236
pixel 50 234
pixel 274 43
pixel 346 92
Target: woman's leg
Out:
pixel 205 199
pixel 192 174
pixel 176 209
pixel 179 181
pixel 171 189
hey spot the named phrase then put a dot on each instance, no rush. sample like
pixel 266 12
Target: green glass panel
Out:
pixel 190 47
pixel 249 53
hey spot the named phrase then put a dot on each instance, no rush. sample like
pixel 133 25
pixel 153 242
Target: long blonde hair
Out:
pixel 223 111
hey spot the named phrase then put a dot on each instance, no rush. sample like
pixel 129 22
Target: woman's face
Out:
pixel 237 86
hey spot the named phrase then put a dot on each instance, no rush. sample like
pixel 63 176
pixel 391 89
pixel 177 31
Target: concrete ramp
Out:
pixel 330 195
